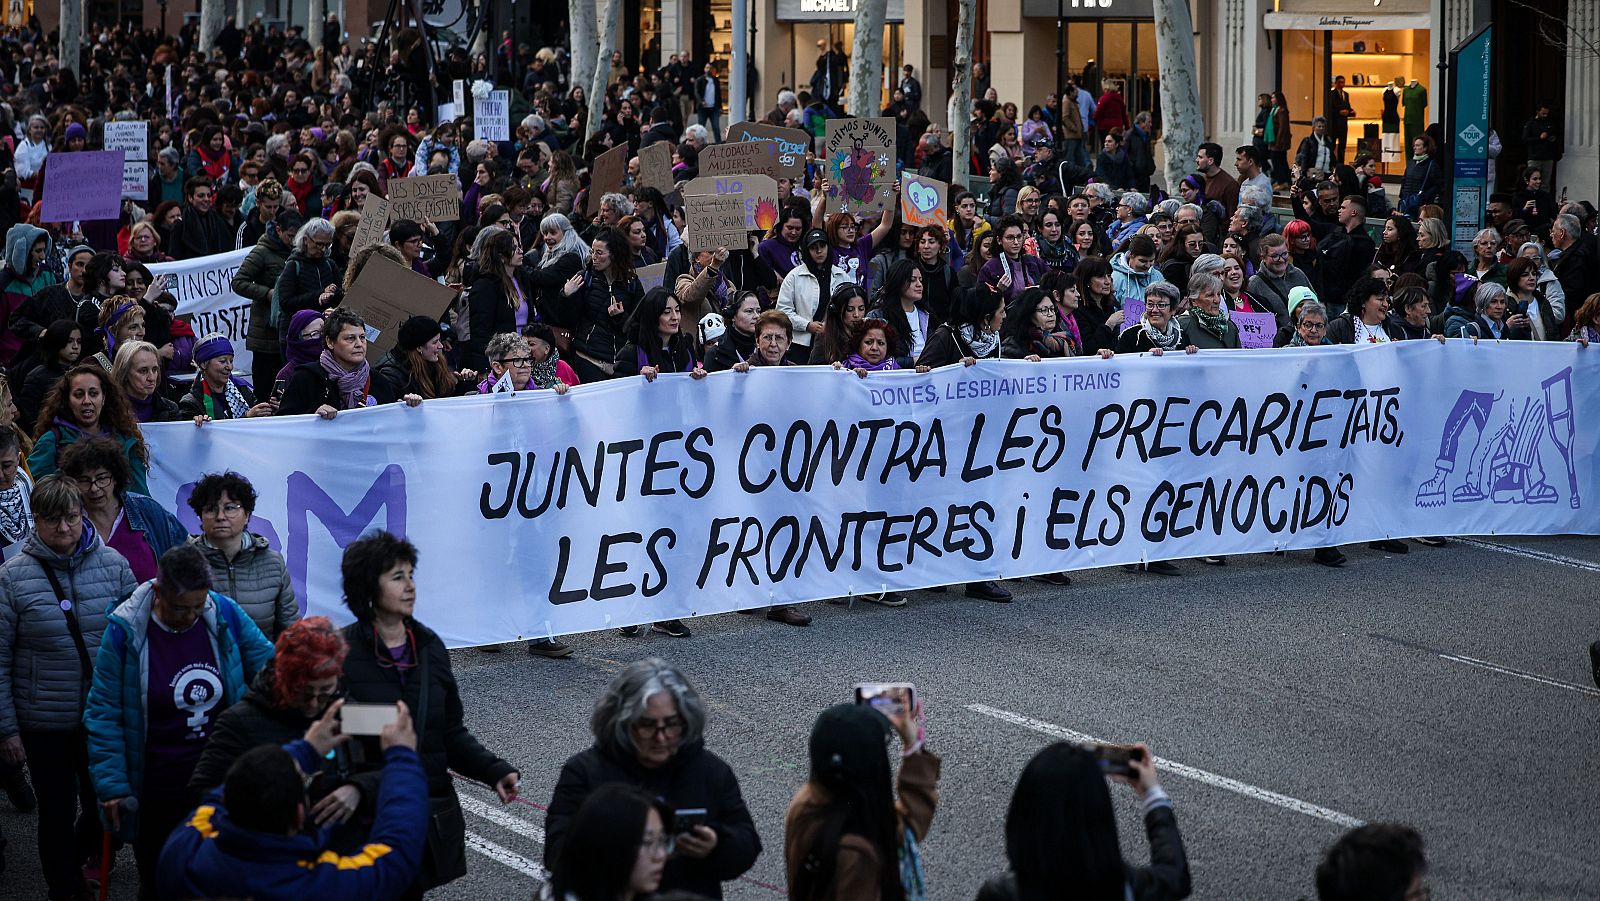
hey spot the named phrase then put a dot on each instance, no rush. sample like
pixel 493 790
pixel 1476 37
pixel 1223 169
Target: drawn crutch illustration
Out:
pixel 1506 468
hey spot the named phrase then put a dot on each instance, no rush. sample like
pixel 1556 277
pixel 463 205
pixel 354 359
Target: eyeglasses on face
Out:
pixel 104 480
pixel 519 362
pixel 229 509
pixel 670 727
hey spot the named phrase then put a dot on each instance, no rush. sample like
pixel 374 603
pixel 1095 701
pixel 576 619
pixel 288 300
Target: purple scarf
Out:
pixel 300 350
pixel 352 385
pixel 856 361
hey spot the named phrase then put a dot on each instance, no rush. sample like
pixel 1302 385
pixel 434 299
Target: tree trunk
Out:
pixel 602 67
pixel 585 38
pixel 212 15
pixel 316 16
pixel 1182 126
pixel 71 34
pixel 866 59
pixel 960 108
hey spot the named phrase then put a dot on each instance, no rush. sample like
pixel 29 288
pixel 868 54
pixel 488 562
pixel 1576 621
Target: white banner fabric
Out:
pixel 627 502
pixel 204 288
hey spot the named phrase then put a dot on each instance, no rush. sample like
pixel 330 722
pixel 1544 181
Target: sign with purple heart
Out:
pixel 922 200
pixel 82 186
pixel 1255 329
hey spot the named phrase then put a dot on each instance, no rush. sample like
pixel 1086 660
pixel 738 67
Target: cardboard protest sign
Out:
pixel 722 210
pixel 788 147
pixel 82 186
pixel 652 276
pixel 922 200
pixel 655 167
pixel 757 157
pixel 860 159
pixel 374 220
pixel 1255 329
pixel 436 198
pixel 491 116
pixel 133 139
pixel 1132 313
pixel 760 193
pixel 386 294
pixel 606 176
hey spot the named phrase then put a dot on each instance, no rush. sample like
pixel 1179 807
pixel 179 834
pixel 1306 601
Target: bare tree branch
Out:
pixel 1558 33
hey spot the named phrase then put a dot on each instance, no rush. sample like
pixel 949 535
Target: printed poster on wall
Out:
pixel 860 165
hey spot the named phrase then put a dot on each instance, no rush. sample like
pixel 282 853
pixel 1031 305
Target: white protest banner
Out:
pixel 204 288
pixel 133 138
pixel 629 501
pixel 491 116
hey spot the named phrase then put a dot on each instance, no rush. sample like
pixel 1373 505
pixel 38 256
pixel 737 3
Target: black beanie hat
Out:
pixel 417 331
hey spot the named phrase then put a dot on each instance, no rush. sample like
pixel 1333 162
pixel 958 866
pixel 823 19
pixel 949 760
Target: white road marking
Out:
pixel 1531 677
pixel 502 856
pixel 502 818
pixel 1529 553
pixel 1178 769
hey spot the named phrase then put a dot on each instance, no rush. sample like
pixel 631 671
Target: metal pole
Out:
pixel 739 67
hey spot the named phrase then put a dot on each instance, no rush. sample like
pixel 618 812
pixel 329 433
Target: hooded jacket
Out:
pixel 692 778
pixel 17 288
pixel 211 856
pixel 256 278
pixel 257 580
pixel 300 284
pixel 118 699
pixel 42 684
pixel 1126 283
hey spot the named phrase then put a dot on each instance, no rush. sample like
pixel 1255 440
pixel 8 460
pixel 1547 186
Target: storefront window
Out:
pixel 1374 63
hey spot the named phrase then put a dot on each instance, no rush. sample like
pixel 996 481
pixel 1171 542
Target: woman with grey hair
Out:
pixel 310 277
pixel 1131 210
pixel 1157 331
pixel 649 731
pixel 1206 325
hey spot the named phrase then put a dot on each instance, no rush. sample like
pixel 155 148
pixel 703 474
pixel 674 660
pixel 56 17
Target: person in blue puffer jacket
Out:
pixel 199 652
pixel 249 838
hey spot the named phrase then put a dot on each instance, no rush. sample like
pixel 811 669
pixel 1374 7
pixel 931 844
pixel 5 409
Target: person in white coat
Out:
pixel 803 296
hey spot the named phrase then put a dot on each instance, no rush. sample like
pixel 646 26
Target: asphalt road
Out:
pixel 1448 688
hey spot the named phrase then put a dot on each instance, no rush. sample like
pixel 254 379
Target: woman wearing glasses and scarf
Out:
pixel 393 657
pixel 243 566
pixel 649 731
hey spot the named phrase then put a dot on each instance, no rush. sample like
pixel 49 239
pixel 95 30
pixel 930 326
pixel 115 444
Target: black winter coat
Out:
pixel 300 286
pixel 1165 879
pixel 309 388
pixel 598 332
pixel 443 740
pixel 489 314
pixel 544 284
pixel 256 720
pixel 201 234
pixel 693 778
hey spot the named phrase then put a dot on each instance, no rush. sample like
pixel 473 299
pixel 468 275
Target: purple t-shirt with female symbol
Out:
pixel 183 698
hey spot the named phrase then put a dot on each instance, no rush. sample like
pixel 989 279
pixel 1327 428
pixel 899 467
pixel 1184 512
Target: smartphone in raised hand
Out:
pixel 1114 759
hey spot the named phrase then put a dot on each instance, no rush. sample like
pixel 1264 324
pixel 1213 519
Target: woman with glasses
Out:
pixel 509 354
pixel 303 184
pixel 290 693
pixel 1206 325
pixel 243 565
pixel 1158 332
pixel 618 847
pixel 310 278
pixel 41 709
pixel 394 657
pixel 852 250
pixel 131 523
pixel 649 732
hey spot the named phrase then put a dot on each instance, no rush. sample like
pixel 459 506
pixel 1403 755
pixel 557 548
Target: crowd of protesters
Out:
pixel 164 692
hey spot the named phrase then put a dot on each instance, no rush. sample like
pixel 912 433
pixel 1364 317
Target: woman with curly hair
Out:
pixel 86 404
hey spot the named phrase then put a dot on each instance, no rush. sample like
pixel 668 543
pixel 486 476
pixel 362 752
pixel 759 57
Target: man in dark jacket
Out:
pixel 936 159
pixel 708 101
pixel 1578 266
pixel 249 836
pixel 1346 253
pixel 202 230
pixel 255 280
pixel 1542 137
pixel 1140 160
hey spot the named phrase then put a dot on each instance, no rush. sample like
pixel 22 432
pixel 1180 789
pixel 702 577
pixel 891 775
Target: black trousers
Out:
pixel 160 812
pixel 69 815
pixel 263 373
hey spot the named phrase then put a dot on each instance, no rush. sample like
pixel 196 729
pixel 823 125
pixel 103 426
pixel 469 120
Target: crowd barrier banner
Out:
pixel 204 289
pixel 627 502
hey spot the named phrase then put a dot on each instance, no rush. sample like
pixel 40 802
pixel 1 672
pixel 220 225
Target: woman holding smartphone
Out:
pixel 852 833
pixel 649 729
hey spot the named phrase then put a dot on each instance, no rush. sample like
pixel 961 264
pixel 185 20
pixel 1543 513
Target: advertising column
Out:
pixel 1469 123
